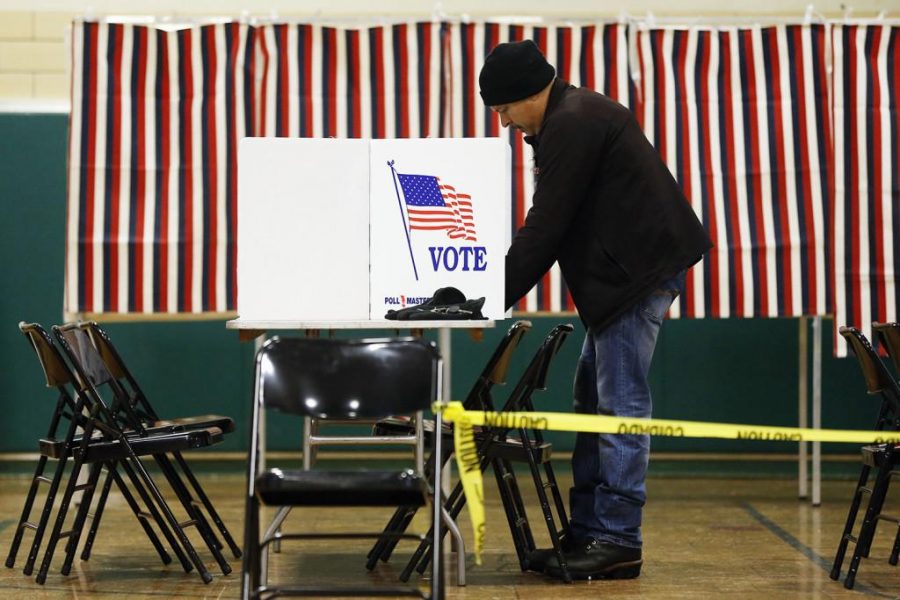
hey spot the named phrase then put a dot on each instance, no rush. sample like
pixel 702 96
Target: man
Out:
pixel 607 209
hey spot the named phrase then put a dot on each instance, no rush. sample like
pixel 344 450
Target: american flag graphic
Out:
pixel 433 206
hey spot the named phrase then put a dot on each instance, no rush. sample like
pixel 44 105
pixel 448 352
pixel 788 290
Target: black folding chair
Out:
pixel 135 407
pixel 889 337
pixel 68 409
pixel 500 448
pixel 98 385
pixel 318 378
pixel 99 444
pixel 479 398
pixel 878 381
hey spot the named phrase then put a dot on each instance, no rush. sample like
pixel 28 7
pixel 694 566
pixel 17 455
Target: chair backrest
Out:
pixel 534 377
pixel 82 354
pixel 107 350
pixel 333 379
pixel 889 336
pixel 496 369
pixel 94 381
pixel 56 372
pixel 547 352
pixel 878 378
pixel 127 385
pixel 58 375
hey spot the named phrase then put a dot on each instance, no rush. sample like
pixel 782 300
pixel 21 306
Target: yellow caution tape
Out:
pixel 468 461
pixel 469 464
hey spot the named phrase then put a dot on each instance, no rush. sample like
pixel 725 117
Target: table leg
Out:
pixel 446 351
pixel 817 410
pixel 258 342
pixel 803 409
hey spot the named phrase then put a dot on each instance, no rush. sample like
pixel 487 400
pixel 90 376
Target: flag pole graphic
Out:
pixel 403 218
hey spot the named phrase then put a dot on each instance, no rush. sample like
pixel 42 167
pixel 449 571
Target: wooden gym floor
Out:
pixel 704 538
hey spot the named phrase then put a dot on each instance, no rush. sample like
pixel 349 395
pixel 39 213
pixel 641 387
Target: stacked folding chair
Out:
pixel 500 448
pixel 98 382
pixel 889 338
pixel 67 418
pixel 479 398
pixel 882 458
pixel 528 446
pixel 94 437
pixel 135 410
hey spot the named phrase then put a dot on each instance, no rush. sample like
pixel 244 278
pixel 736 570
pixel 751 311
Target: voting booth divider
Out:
pixel 346 229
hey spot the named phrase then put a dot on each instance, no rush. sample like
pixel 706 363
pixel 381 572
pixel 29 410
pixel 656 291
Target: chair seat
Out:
pixel 101 450
pixel 226 424
pixel 406 426
pixel 97 435
pixel 513 451
pixel 342 488
pixel 510 449
pixel 876 455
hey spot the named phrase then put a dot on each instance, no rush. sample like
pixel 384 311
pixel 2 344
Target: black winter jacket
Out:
pixel 605 206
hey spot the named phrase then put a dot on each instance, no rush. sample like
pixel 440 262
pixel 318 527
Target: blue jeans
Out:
pixel 608 495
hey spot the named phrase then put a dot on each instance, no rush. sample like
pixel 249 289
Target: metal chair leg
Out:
pixel 879 491
pixel 157 517
pixel 208 505
pixel 29 503
pixel 849 524
pixel 250 575
pixel 80 516
pixel 460 547
pixel 142 517
pixel 193 511
pixel 274 526
pixel 98 512
pixel 398 523
pixel 172 521
pixel 545 508
pixel 519 529
pixel 71 487
pixel 45 516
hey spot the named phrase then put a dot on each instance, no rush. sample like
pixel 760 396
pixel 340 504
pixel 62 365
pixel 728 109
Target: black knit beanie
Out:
pixel 513 71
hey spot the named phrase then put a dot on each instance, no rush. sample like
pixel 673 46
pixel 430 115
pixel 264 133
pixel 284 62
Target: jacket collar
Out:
pixel 556 94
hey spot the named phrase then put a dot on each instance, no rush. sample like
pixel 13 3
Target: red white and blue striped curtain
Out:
pixel 374 82
pixel 152 196
pixel 593 55
pixel 741 117
pixel 866 108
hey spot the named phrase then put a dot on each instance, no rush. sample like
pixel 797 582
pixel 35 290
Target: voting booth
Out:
pixel 348 229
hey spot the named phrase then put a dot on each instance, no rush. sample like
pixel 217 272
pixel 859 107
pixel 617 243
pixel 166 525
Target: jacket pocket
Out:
pixel 617 266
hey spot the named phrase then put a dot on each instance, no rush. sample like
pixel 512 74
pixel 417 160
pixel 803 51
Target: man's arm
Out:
pixel 569 156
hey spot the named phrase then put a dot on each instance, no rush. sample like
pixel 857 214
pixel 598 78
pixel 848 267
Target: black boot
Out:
pixel 537 559
pixel 594 559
